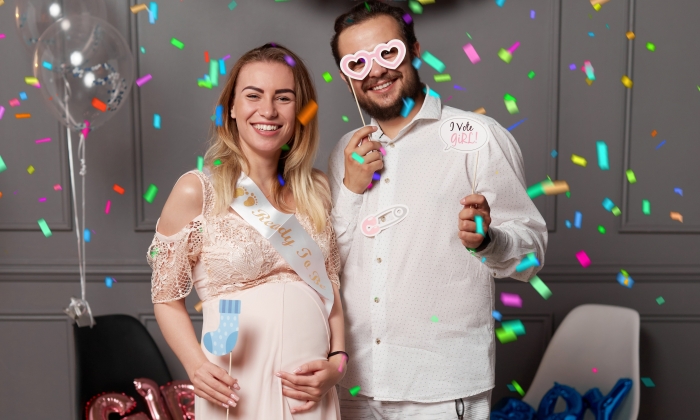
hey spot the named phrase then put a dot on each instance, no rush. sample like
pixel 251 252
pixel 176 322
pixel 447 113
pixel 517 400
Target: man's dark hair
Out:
pixel 367 10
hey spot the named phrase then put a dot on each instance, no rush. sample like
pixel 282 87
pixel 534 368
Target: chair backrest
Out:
pixel 592 336
pixel 110 355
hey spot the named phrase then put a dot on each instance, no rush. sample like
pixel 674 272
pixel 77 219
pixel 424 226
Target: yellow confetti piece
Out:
pixel 597 7
pixel 31 80
pixel 676 216
pixel 589 81
pixel 630 35
pixel 30 169
pixel 20 116
pixel 627 82
pixel 138 8
pixel 653 133
pixel 579 160
pixel 481 111
pixel 198 306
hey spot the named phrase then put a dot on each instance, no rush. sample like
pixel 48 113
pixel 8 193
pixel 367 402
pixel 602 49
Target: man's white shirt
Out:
pixel 417 303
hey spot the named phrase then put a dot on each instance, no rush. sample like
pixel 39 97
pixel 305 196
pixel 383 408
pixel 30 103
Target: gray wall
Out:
pixel 38 275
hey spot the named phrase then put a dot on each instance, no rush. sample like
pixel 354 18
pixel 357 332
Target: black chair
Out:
pixel 110 355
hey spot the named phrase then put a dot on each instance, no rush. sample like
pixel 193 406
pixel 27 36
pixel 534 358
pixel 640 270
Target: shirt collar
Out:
pixel 431 110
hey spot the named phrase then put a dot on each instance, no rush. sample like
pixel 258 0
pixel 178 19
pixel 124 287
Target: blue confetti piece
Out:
pixel 648 382
pixel 109 281
pixel 47 65
pixel 219 115
pixel 608 204
pixel 156 121
pixel 532 14
pixel 479 221
pixel 622 279
pixel 430 92
pixel 86 235
pixel 417 63
pixel 152 12
pixel 678 191
pixel 376 177
pixel 577 219
pixel 603 162
pixel 568 224
pixel 23 96
pixel 511 387
pixel 660 144
pixel 500 3
pixel 591 34
pixel 554 153
pixel 483 259
pixel 222 67
pixel 458 87
pixel 408 104
pixel 280 179
pixel 516 124
pixel 496 315
pixel 530 260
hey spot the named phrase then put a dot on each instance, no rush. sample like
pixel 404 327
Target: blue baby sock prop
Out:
pixel 223 340
pixel 574 403
pixel 604 407
pixel 514 410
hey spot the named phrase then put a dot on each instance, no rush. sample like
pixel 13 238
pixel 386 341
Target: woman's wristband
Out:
pixel 339 352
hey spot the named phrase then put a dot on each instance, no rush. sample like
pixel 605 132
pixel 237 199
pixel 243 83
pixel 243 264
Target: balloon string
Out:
pixel 475 166
pixel 358 104
pixel 83 170
pixel 229 374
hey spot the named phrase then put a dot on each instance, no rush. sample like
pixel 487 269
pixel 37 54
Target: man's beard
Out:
pixel 410 89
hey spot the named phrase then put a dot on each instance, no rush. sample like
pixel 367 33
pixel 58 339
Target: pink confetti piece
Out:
pixel 57 187
pixel 143 80
pixel 46 140
pixel 227 57
pixel 583 259
pixel 340 368
pixel 512 300
pixel 2 36
pixel 514 47
pixel 86 129
pixel 14 102
pixel 382 150
pixel 42 199
pixel 2 111
pixel 108 206
pixel 471 53
pixel 594 370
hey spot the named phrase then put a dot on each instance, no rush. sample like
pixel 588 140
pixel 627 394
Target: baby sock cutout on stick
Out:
pixel 223 340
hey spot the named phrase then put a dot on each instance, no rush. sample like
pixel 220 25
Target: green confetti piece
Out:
pixel 616 211
pixel 217 162
pixel 518 388
pixel 536 190
pixel 660 300
pixel 232 5
pixel 150 194
pixel 415 7
pixel 177 43
pixel 651 47
pixel 648 382
pixel 514 325
pixel 630 176
pixel 470 37
pixel 154 252
pixel 505 55
pixel 345 118
pixel 442 78
pixel 433 61
pixel 204 84
pixel 214 72
pixel 541 288
pixel 143 50
pixel 568 194
pixel 646 207
pixel 200 163
pixel 511 107
pixel 3 167
pixel 505 336
pixel 358 158
pixel 625 273
pixel 327 77
pixel 354 390
pixel 434 318
pixel 531 75
pixel 509 97
pixel 601 229
pixel 44 228
pixel 285 147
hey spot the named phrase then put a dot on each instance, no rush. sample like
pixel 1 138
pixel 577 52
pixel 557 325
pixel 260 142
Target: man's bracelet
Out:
pixel 339 352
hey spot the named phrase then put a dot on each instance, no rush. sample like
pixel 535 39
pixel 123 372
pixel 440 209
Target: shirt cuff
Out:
pixel 495 238
pixel 347 203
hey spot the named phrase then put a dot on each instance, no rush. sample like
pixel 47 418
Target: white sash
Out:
pixel 286 234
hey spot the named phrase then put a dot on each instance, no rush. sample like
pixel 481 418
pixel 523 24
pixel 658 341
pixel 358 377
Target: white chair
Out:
pixel 592 336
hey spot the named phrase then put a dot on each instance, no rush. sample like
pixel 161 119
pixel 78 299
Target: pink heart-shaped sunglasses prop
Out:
pixel 375 55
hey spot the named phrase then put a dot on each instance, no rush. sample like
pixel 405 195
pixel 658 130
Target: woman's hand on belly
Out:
pixel 214 385
pixel 311 381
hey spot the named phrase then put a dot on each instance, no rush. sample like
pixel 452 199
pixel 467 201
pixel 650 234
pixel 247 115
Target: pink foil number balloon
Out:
pixel 148 389
pixel 101 406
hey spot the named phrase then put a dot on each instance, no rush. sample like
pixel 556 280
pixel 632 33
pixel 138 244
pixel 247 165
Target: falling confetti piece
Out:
pixel 554 153
pixel 511 299
pixel 44 228
pixel 630 176
pixel 108 206
pixel 87 235
pixel 676 216
pixel 198 306
pixel 442 78
pixel 407 18
pixel 118 189
pixel 434 318
pixel 327 77
pixel 57 187
pixel 648 382
pixel 30 169
pixel 608 204
pixel 471 53
pixel 532 14
pixel 603 162
pixel 143 80
pixel 290 61
pixel 496 315
pixel 500 3
pixel 2 111
pixel 177 43
pixel 232 5
pixel 22 116
pixel 583 258
pixel 99 104
pixel 433 61
pixel 42 199
pixel 577 220
pixel 594 370
pixel 646 207
pixel 505 336
pixel 651 47
pixel 601 229
pixel 308 112
pixel 572 66
pixel 531 75
pixel 416 63
pixel 579 160
pixel 345 118
pixel 415 7
pixel 627 82
pixel 504 55
pixel 660 144
pixel 630 35
pixel 354 390
pixel 156 121
pixel 660 300
pixel 408 104
pixel 514 325
pixel 653 133
pixel 529 261
pixel 516 124
pixel 518 388
pixel 45 140
pixel 31 80
pixel 150 194
pixel 138 8
pixel 678 191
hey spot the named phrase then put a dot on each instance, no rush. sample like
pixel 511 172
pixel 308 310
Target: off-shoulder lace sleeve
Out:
pixel 172 259
pixel 333 260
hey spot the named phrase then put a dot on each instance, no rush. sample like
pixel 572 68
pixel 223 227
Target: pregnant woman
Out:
pixel 254 227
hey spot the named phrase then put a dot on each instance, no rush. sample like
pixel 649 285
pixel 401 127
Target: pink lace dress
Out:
pixel 283 322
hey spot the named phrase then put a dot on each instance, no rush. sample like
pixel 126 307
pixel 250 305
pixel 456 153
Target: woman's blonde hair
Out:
pixel 225 158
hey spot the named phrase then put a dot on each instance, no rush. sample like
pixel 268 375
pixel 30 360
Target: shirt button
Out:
pixel 378 341
pixel 376 300
pixel 382 219
pixel 386 180
pixel 494 274
pixel 379 260
pixel 391 144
